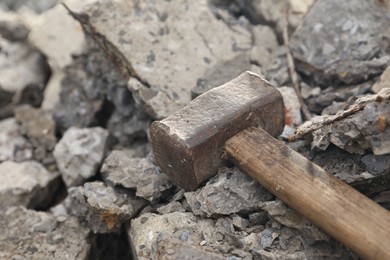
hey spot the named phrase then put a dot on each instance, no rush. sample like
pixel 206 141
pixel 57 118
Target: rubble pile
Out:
pixel 80 84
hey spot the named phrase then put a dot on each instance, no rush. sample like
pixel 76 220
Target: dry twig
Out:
pixel 291 67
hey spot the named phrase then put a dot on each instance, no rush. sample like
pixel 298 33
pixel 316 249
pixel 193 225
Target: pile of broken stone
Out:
pixel 80 84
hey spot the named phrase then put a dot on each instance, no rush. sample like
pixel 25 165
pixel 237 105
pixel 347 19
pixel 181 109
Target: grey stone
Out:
pixel 26 184
pixel 79 153
pixel 13 145
pixel 230 191
pixel 169 248
pixel 328 43
pixel 12 27
pixel 93 85
pixel 16 59
pixel 383 82
pixel 239 223
pixel 102 208
pixel 376 164
pixel 278 211
pixel 173 206
pixel 37 6
pixel 258 218
pixel 141 44
pixel 215 237
pixel 27 234
pixel 267 237
pixel 140 174
pixel 39 127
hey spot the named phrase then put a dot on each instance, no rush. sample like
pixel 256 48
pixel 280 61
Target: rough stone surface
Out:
pixel 328 45
pixel 94 85
pixel 168 248
pixel 102 208
pixel 376 164
pixel 16 59
pixel 144 37
pixel 39 127
pixel 13 145
pixel 12 27
pixel 244 195
pixel 292 106
pixel 26 184
pixel 79 154
pixel 383 82
pixel 58 35
pixel 37 6
pixel 26 234
pixel 140 174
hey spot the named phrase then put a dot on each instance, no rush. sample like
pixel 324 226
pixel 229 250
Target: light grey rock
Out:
pixel 168 248
pixel 239 222
pixel 278 211
pixel 173 206
pixel 140 174
pixel 102 208
pixel 292 105
pixel 26 184
pixel 143 44
pixel 13 145
pixel 37 6
pixel 39 127
pixel 24 73
pixel 368 129
pixel 58 35
pixel 79 154
pixel 383 82
pixel 230 191
pixel 27 234
pixel 12 26
pixel 327 46
pixel 195 233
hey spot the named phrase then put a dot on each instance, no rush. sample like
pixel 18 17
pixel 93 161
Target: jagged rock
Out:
pixel 172 249
pixel 140 174
pixel 328 44
pixel 27 234
pixel 98 91
pixel 383 82
pixel 242 193
pixel 79 154
pixel 37 6
pixel 292 106
pixel 239 223
pixel 58 35
pixel 16 59
pixel 102 208
pixel 143 44
pixel 195 233
pixel 173 206
pixel 12 27
pixel 13 146
pixel 39 127
pixel 284 215
pixel 376 164
pixel 26 184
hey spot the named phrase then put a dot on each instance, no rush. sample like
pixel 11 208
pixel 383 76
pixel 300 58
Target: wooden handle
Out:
pixel 336 208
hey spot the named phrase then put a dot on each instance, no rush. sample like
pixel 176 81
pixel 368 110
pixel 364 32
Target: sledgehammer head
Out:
pixel 188 145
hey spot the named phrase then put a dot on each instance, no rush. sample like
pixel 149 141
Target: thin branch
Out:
pixel 291 67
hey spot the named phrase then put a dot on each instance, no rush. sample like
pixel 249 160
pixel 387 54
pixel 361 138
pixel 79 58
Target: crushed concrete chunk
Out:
pixel 79 153
pixel 243 194
pixel 144 37
pixel 16 59
pixel 376 164
pixel 328 44
pixel 383 82
pixel 141 174
pixel 27 234
pixel 284 215
pixel 38 125
pixel 26 184
pixel 13 145
pixel 103 209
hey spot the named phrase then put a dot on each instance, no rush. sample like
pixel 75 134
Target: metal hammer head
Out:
pixel 188 145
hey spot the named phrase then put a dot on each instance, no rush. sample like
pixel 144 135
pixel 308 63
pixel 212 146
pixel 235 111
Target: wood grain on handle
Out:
pixel 339 210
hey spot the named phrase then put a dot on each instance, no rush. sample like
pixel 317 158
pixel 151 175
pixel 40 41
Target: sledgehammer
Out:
pixel 240 118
